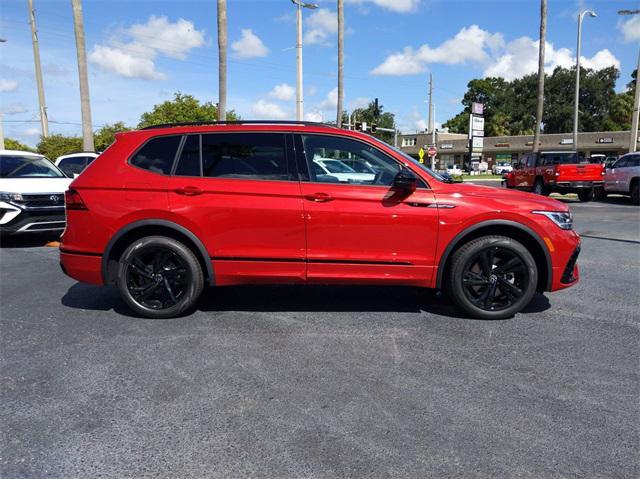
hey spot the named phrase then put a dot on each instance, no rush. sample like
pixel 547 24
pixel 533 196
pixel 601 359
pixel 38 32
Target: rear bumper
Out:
pixel 83 267
pixel 573 186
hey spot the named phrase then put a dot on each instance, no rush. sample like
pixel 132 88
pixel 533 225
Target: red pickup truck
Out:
pixel 556 172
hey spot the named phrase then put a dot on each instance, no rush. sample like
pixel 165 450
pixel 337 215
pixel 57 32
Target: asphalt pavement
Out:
pixel 324 381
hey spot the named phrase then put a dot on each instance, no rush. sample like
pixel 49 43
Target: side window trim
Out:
pixel 176 159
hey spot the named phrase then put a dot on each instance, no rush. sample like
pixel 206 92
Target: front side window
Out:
pixel 342 160
pixel 250 156
pixel 158 154
pixel 17 166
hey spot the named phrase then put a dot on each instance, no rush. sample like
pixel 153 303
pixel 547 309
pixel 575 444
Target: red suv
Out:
pixel 168 209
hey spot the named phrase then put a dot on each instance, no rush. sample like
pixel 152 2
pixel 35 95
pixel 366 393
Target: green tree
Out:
pixel 380 118
pixel 183 108
pixel 11 144
pixel 107 134
pixel 57 145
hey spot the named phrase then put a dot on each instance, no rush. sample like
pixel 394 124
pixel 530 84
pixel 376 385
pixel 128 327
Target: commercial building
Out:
pixel 453 148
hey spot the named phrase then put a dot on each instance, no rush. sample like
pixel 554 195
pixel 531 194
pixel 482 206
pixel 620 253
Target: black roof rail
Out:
pixel 239 122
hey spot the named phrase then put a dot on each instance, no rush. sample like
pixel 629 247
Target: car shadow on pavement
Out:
pixel 27 240
pixel 295 299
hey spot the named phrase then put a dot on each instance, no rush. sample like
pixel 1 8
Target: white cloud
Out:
pixel 520 58
pixel 630 28
pixel 13 109
pixel 283 92
pixel 311 91
pixel 249 46
pixel 401 6
pixel 331 101
pixel 360 102
pixel 271 111
pixel 321 24
pixel 315 115
pixel 470 44
pixel 33 131
pixel 8 85
pixel 131 52
pixel 125 64
pixel 489 50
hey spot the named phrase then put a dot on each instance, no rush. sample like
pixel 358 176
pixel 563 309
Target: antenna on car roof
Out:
pixel 239 122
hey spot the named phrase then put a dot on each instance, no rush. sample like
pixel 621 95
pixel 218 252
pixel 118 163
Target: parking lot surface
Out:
pixel 324 381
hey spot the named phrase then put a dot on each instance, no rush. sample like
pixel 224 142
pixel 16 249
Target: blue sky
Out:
pixel 140 52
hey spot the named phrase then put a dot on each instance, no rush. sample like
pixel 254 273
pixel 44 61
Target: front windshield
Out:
pixel 335 166
pixel 17 166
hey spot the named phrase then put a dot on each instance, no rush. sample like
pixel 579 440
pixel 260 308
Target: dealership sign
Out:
pixel 605 140
pixel 446 146
pixel 477 123
pixel 566 141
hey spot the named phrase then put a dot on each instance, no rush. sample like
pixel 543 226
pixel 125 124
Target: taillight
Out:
pixel 73 200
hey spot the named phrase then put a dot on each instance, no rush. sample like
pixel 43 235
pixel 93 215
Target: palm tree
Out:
pixel 222 60
pixel 541 46
pixel 340 61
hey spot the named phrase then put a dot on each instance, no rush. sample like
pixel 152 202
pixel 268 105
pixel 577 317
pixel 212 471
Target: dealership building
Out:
pixel 453 148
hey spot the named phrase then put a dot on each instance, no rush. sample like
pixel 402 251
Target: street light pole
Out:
pixel 300 5
pixel 581 16
pixel 44 122
pixel 633 134
pixel 83 76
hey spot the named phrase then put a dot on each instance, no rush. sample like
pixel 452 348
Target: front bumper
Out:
pixel 32 220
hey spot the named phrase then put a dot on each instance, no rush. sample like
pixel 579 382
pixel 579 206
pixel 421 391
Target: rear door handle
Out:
pixel 319 197
pixel 188 191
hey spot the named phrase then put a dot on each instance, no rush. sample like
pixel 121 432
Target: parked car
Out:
pixel 342 171
pixel 557 171
pixel 31 193
pixel 622 178
pixel 502 167
pixel 167 210
pixel 72 165
pixel 453 170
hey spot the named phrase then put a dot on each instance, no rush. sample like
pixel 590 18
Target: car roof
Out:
pixel 21 153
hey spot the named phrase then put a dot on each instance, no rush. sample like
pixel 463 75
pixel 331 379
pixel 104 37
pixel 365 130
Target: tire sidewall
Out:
pixel 194 286
pixel 456 289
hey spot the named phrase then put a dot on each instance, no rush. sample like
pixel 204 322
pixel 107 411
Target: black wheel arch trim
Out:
pixel 156 222
pixel 458 238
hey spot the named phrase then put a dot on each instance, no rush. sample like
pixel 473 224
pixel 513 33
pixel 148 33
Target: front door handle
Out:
pixel 319 197
pixel 188 191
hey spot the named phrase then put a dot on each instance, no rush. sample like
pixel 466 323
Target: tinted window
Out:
pixel 331 157
pixel 157 155
pixel 189 162
pixel 15 166
pixel 251 156
pixel 71 166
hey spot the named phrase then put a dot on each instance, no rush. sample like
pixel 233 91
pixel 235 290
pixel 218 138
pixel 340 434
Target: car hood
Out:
pixel 34 185
pixel 511 196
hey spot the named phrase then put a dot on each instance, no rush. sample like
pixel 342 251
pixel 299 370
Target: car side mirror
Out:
pixel 405 180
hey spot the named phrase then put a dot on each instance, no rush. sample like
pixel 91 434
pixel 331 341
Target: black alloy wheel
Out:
pixel 159 277
pixel 492 277
pixel 495 278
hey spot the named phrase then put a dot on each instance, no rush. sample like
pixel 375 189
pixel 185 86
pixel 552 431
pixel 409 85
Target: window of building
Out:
pixel 409 141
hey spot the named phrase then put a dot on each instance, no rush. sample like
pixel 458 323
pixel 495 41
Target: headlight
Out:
pixel 564 219
pixel 10 197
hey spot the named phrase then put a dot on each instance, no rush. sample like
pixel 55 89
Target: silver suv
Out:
pixel 622 177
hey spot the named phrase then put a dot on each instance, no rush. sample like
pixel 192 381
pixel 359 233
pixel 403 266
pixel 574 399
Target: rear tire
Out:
pixel 492 277
pixel 585 195
pixel 540 189
pixel 159 277
pixel 599 194
pixel 635 194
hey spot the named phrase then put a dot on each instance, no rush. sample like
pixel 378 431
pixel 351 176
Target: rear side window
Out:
pixel 71 166
pixel 157 154
pixel 250 156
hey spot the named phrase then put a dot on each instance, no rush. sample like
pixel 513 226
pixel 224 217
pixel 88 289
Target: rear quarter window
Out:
pixel 157 155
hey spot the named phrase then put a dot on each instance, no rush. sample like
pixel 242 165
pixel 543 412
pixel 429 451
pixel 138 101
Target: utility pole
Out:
pixel 299 6
pixel 85 105
pixel 222 60
pixel 541 48
pixel 44 122
pixel 633 134
pixel 577 95
pixel 340 62
pixel 430 122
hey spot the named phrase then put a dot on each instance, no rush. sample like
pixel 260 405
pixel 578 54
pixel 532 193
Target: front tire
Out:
pixel 585 195
pixel 492 277
pixel 159 277
pixel 540 189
